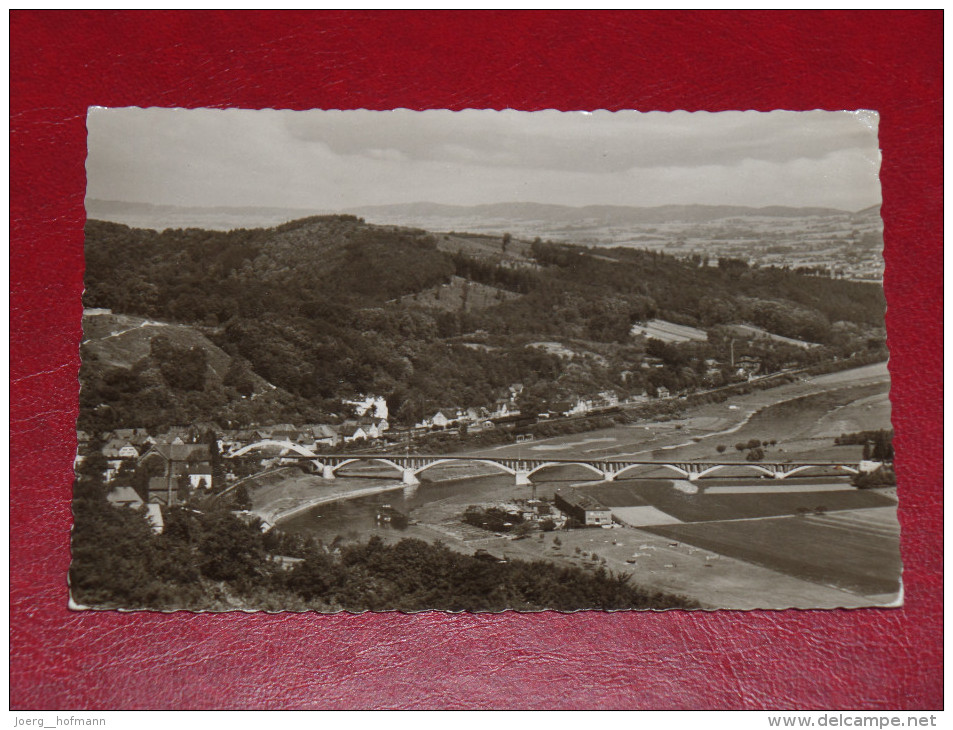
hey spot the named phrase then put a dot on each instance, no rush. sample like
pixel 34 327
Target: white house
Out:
pixel 374 406
pixel 353 432
pixel 579 407
pixel 200 475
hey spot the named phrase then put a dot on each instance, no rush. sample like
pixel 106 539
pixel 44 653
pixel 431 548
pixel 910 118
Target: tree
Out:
pixel 506 240
pixel 755 454
pixel 215 459
pixel 740 446
pixel 242 499
pixel 721 448
pixel 883 446
pixel 182 489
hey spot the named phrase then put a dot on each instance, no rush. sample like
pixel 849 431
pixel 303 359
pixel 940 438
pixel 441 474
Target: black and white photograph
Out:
pixel 483 361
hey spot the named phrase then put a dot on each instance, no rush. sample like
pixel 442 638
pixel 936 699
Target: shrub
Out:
pixel 883 476
pixel 755 454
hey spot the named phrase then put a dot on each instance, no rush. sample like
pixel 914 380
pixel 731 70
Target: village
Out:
pixel 185 461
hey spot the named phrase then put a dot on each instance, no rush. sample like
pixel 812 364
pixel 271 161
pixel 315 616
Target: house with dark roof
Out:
pixel 162 490
pixel 582 507
pixel 178 458
pixel 353 431
pixel 124 497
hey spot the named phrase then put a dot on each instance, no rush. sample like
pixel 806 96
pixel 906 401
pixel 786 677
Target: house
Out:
pixel 175 434
pixel 748 365
pixel 353 431
pixel 250 436
pixel 177 459
pixel 442 420
pixel 136 436
pixel 501 410
pixel 281 432
pixel 324 435
pixel 118 449
pixel 371 405
pixel 124 497
pixel 162 490
pixel 471 415
pixel 640 398
pixel 662 392
pixel 127 497
pixel 200 475
pixel 582 508
pixel 580 407
pixel 370 428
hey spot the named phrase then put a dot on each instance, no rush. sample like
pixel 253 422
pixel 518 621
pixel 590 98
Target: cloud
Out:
pixel 337 159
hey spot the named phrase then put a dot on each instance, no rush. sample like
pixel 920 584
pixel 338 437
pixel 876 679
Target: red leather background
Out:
pixel 63 62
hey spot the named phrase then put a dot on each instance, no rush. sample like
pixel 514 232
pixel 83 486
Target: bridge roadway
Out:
pixel 411 466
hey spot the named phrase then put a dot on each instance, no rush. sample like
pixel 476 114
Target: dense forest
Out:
pixel 215 560
pixel 321 309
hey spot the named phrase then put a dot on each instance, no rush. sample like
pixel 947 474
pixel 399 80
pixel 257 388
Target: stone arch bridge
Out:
pixel 411 466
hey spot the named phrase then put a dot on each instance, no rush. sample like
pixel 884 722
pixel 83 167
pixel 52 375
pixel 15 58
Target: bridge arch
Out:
pixel 491 462
pixel 583 464
pixel 836 467
pixel 741 464
pixel 287 445
pixel 678 470
pixel 382 460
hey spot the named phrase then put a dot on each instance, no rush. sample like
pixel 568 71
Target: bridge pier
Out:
pixel 327 472
pixel 409 478
pixel 693 476
pixel 522 479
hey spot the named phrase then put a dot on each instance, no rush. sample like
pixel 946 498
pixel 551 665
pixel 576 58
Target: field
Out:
pixel 770 500
pixel 857 551
pixel 460 295
pixel 122 340
pixel 751 332
pixel 659 329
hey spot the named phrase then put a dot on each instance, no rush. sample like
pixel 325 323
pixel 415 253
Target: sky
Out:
pixel 338 160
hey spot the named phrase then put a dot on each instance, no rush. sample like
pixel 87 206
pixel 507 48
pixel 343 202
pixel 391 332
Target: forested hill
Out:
pixel 327 307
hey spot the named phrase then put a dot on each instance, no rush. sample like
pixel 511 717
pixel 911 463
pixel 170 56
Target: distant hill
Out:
pixel 606 214
pixel 425 215
pixel 220 218
pixel 867 214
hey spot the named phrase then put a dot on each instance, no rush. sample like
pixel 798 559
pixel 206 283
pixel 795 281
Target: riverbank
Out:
pixel 728 543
